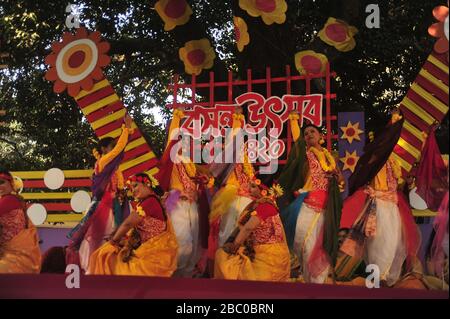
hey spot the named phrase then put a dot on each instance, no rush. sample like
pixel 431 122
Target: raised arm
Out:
pixel 178 114
pixel 120 145
pixel 295 128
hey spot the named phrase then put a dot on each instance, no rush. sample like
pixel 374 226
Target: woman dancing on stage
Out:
pixel 312 219
pixel 19 241
pixel 151 246
pixel 106 212
pixel 257 249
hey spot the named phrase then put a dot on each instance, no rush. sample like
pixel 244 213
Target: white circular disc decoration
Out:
pixel 416 201
pixel 54 178
pixel 80 201
pixel 63 75
pixel 37 214
pixel 446 27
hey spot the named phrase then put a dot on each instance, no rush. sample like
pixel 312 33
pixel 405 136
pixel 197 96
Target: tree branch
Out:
pixel 16 149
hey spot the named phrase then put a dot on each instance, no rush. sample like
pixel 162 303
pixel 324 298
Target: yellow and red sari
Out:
pixel 156 256
pixel 19 242
pixel 270 260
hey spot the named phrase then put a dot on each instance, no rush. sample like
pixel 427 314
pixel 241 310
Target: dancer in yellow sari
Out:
pixel 233 196
pixel 257 250
pixel 151 246
pixel 19 242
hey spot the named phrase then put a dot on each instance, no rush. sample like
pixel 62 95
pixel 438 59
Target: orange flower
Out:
pixel 440 29
pixel 173 12
pixel 241 32
pixel 77 61
pixel 310 62
pixel 197 55
pixel 338 34
pixel 269 10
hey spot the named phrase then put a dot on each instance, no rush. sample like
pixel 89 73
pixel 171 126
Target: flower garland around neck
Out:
pixel 325 159
pixel 248 168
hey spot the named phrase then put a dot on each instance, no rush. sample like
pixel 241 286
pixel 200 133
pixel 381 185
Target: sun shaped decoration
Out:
pixel 440 29
pixel 241 33
pixel 269 10
pixel 338 34
pixel 310 62
pixel 197 55
pixel 350 161
pixel 351 132
pixel 77 61
pixel 173 12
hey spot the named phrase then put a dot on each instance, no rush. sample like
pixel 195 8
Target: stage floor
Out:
pixel 133 287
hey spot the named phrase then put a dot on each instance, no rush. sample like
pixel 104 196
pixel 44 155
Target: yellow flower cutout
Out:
pixel 350 161
pixel 269 10
pixel 310 62
pixel 241 33
pixel 351 132
pixel 197 55
pixel 338 34
pixel 173 12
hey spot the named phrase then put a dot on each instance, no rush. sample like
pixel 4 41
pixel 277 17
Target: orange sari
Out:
pixel 19 242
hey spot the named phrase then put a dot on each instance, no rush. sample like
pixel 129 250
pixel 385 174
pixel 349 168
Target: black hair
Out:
pixel 311 125
pixel 54 261
pixel 105 142
pixel 5 171
pixel 156 188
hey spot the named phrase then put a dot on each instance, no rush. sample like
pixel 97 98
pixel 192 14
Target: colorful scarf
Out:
pixel 375 156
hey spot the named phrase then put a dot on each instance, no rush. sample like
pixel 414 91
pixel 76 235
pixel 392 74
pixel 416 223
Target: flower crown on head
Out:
pixel 148 180
pixel 263 188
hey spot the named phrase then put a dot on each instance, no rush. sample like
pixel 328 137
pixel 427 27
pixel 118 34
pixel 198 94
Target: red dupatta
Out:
pixel 9 203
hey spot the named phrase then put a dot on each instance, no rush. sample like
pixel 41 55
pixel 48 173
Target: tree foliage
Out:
pixel 46 130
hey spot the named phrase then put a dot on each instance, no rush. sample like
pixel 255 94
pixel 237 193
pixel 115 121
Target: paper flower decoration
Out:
pixel 310 62
pixel 269 10
pixel 197 55
pixel 338 34
pixel 351 132
pixel 440 29
pixel 173 12
pixel 241 33
pixel 77 61
pixel 350 161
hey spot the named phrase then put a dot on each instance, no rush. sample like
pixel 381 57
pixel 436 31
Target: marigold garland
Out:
pixel 323 156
